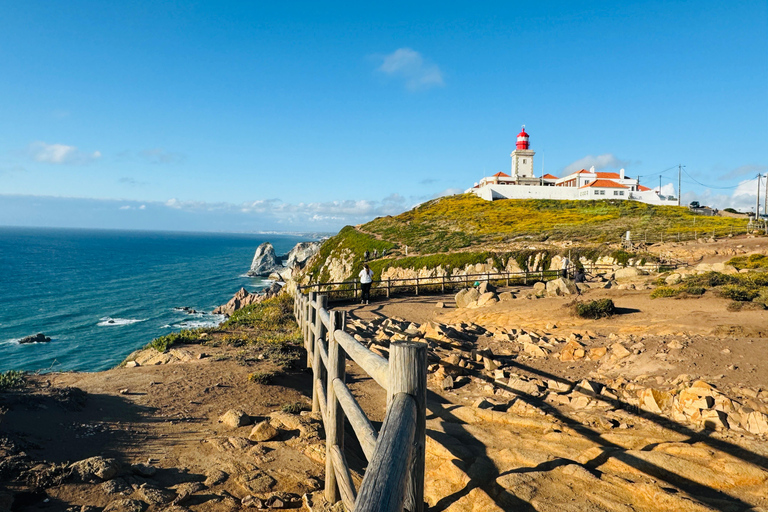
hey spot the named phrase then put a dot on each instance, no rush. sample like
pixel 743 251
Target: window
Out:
pixel 523 160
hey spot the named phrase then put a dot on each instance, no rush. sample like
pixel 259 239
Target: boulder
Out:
pixel 263 431
pixel 486 287
pixel 94 469
pixel 241 299
pixel 487 298
pixel 539 289
pixel 466 296
pixel 264 261
pixel 673 279
pixel 560 286
pixel 235 418
pixel 126 505
pixel 626 273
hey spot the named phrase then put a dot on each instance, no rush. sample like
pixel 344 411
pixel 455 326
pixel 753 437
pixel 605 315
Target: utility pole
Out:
pixel 659 184
pixel 757 205
pixel 679 182
pixel 765 197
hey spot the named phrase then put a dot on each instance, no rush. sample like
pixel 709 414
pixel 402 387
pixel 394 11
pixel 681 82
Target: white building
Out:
pixel 583 184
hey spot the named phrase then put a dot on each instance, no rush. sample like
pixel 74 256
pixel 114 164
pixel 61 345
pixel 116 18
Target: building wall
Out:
pixel 520 168
pixel 492 192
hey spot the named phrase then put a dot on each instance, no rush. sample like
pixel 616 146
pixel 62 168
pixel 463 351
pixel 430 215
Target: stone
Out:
pixel 126 505
pixel 597 353
pixel 131 364
pixel 466 296
pixel 94 469
pixel 673 279
pixel 241 299
pixel 535 350
pixel 487 298
pixel 447 382
pixel 482 403
pixel 215 477
pixel 655 401
pixel 486 287
pixel 440 305
pixel 539 289
pixel 714 420
pixel 235 418
pixel 559 287
pixel 757 423
pixel 523 386
pixel 35 338
pixel 115 486
pixel 506 296
pixel 619 351
pixel 155 495
pixel 560 387
pixel 144 470
pixel 675 345
pixel 263 431
pixel 626 273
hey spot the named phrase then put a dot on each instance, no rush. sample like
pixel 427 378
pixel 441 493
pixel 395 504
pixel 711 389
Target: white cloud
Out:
pixel 606 161
pixel 745 170
pixel 410 66
pixel 743 197
pixel 161 156
pixel 60 154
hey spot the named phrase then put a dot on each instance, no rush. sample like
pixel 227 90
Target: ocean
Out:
pixel 101 294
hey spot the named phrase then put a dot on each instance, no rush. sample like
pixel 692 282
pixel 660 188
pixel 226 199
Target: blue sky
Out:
pixel 247 116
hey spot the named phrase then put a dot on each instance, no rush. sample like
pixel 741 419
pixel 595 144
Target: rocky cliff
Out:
pixel 280 268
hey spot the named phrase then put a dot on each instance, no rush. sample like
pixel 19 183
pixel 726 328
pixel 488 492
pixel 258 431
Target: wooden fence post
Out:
pixel 309 324
pixel 442 285
pixel 526 277
pixel 389 282
pixel 334 428
pixel 408 374
pixel 317 362
pixel 417 285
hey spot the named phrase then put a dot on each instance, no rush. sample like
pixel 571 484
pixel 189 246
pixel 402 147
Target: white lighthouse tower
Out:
pixel 522 161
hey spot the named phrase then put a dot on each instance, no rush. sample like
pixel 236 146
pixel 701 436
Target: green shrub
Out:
pixel 739 292
pixel 752 261
pixel 11 379
pixel 762 297
pixel 710 279
pixel 295 407
pixel 601 308
pixel 730 210
pixel 163 343
pixel 261 377
pixel 664 291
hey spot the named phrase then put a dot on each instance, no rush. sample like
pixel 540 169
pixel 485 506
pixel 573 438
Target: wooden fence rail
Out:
pixel 386 287
pixel 394 480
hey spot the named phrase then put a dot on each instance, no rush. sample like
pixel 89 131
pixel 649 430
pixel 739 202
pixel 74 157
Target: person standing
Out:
pixel 366 279
pixel 564 267
pixel 366 255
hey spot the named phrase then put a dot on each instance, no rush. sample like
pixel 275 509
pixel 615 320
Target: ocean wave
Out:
pixel 114 322
pixel 209 321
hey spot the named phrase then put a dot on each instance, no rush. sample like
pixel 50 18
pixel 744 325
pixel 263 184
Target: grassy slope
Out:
pixel 469 224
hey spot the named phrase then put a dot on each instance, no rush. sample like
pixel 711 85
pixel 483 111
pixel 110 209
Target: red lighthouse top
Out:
pixel 522 139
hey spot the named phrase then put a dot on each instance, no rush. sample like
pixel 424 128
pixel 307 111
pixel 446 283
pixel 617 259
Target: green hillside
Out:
pixel 473 230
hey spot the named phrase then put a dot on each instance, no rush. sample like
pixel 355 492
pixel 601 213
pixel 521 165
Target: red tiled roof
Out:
pixel 643 188
pixel 609 175
pixel 550 177
pixel 581 171
pixel 604 184
pixel 501 175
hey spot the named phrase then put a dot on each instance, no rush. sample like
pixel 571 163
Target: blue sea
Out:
pixel 101 294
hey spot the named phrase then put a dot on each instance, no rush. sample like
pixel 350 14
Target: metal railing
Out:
pixel 394 479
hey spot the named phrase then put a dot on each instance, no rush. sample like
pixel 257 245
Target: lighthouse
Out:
pixel 522 160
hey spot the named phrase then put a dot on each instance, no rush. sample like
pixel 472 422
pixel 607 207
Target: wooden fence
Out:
pixel 417 285
pixel 394 479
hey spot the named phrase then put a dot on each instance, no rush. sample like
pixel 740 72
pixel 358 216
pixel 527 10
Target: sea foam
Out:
pixel 114 322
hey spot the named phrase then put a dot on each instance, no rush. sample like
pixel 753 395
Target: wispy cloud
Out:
pixel 161 156
pixel 410 66
pixel 428 181
pixel 742 198
pixel 127 180
pixel 133 207
pixel 606 161
pixel 60 154
pixel 745 170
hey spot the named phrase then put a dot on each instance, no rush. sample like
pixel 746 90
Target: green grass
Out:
pixel 11 379
pixel 165 342
pixel 261 377
pixel 295 407
pixel 751 286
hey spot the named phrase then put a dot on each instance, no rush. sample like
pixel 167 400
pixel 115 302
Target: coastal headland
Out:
pixel 663 405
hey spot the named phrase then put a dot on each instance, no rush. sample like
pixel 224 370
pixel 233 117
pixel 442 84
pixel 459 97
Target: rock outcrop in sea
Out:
pixel 280 268
pixel 245 298
pixel 265 261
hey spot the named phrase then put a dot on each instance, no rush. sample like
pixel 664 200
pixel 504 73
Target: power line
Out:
pixel 708 186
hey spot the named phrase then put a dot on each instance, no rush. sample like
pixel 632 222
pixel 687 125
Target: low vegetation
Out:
pixel 458 230
pixel 746 287
pixel 594 309
pixel 163 343
pixel 261 377
pixel 11 379
pixel 753 261
pixel 295 407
